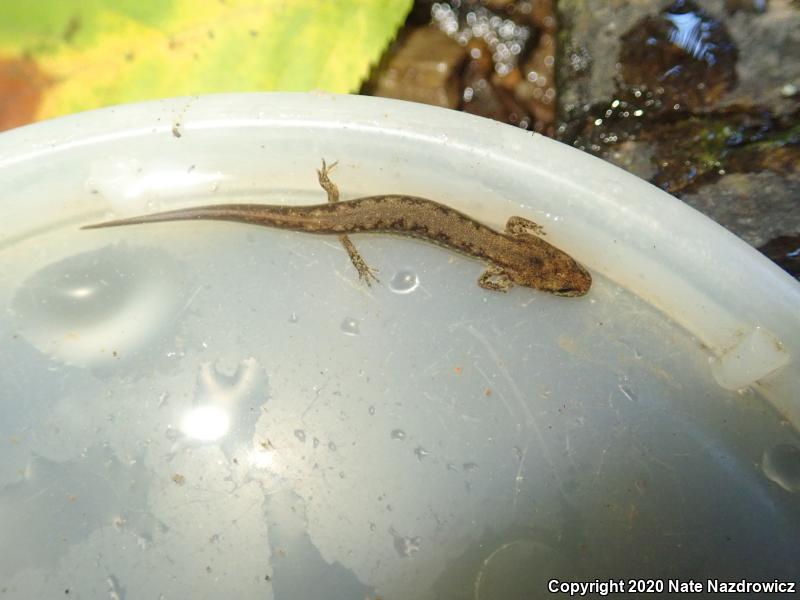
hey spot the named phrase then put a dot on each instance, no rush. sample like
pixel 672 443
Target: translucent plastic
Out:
pixel 219 410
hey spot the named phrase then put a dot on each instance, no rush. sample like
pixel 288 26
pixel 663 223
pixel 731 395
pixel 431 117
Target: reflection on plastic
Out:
pixel 205 423
pixel 262 459
pixel 227 403
pixel 781 464
pixel 101 307
pixel 754 355
pixel 127 185
pixel 691 34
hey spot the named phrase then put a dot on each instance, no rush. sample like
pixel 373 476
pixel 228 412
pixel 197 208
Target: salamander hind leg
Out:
pixel 521 225
pixel 496 279
pixel 365 273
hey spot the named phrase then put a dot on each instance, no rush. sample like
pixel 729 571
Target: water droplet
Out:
pixel 293 318
pixel 300 435
pixel 332 446
pixel 315 443
pixel 372 527
pixel 469 467
pixel 404 282
pixel 781 464
pixel 371 410
pixel 350 326
pixel 420 453
pixel 398 434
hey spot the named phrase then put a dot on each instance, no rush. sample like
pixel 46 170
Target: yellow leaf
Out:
pixel 62 56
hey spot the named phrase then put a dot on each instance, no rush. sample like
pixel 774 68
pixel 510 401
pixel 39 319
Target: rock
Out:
pixel 757 207
pixel 424 68
pixel 642 85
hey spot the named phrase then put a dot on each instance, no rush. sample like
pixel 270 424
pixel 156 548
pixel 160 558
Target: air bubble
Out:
pixel 350 326
pixel 404 282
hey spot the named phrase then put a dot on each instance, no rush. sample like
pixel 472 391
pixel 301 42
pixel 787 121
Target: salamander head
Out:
pixel 574 281
pixel 556 272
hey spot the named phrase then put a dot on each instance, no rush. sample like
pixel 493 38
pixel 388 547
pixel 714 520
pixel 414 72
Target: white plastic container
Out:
pixel 215 410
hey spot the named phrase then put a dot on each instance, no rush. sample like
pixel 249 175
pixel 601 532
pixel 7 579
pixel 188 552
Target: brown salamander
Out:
pixel 516 256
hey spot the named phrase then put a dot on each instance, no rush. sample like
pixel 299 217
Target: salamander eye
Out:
pixel 565 291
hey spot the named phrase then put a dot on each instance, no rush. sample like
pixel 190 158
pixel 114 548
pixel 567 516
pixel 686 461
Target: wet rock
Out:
pixel 785 251
pixel 424 67
pixel 508 69
pixel 749 6
pixel 591 39
pixel 699 98
pixel 484 93
pixel 683 56
pixel 469 20
pixel 679 60
pixel 769 56
pixel 510 74
pixel 589 45
pixel 637 157
pixel 699 148
pixel 757 207
pixel 537 88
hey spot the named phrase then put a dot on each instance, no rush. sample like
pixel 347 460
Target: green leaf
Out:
pixel 62 56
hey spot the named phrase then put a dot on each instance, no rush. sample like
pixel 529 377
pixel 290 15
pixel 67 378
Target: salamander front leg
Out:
pixel 365 273
pixel 521 225
pixel 496 279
